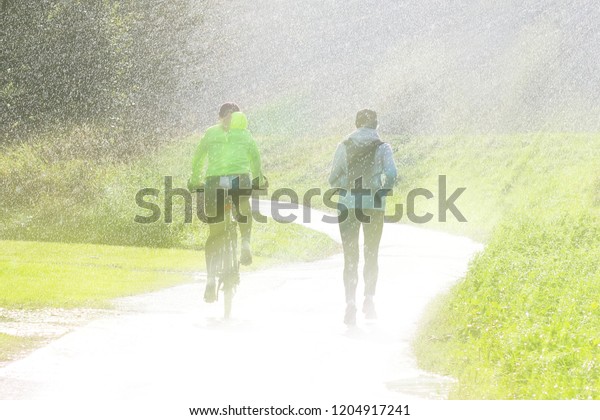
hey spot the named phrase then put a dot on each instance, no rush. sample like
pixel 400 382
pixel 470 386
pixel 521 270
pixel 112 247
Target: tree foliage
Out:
pixel 116 67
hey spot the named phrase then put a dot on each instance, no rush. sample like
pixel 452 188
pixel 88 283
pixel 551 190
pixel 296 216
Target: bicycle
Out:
pixel 226 260
pixel 228 265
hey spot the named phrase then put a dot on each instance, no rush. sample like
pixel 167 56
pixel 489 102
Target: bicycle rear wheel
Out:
pixel 228 302
pixel 231 276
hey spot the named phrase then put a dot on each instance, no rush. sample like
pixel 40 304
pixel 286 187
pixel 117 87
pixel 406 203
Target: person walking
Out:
pixel 363 170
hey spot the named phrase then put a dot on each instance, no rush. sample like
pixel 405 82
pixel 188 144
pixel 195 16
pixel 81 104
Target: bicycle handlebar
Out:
pixel 255 187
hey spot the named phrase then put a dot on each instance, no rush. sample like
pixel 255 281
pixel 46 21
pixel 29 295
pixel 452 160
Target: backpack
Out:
pixel 361 162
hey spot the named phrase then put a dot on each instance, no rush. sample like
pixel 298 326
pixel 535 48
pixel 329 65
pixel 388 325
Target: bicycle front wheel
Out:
pixel 231 275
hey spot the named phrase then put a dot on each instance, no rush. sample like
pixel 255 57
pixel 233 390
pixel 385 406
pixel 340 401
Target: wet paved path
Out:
pixel 285 344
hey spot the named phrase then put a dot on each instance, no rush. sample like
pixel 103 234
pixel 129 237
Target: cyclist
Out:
pixel 231 158
pixel 362 161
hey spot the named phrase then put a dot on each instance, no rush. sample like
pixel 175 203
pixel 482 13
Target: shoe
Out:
pixel 369 308
pixel 246 257
pixel 210 291
pixel 350 316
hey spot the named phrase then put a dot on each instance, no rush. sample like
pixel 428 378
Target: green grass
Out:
pixel 46 274
pixel 503 175
pixel 70 199
pixel 524 322
pixel 42 274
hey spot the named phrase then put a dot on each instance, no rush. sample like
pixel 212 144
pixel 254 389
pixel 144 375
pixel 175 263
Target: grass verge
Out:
pixel 44 274
pixel 524 322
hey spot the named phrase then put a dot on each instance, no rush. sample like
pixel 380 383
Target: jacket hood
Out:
pixel 363 136
pixel 238 121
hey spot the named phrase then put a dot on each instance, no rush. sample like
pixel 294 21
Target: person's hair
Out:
pixel 228 108
pixel 366 118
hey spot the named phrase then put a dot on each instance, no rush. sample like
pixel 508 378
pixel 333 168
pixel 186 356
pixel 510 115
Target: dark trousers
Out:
pixel 216 235
pixel 349 230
